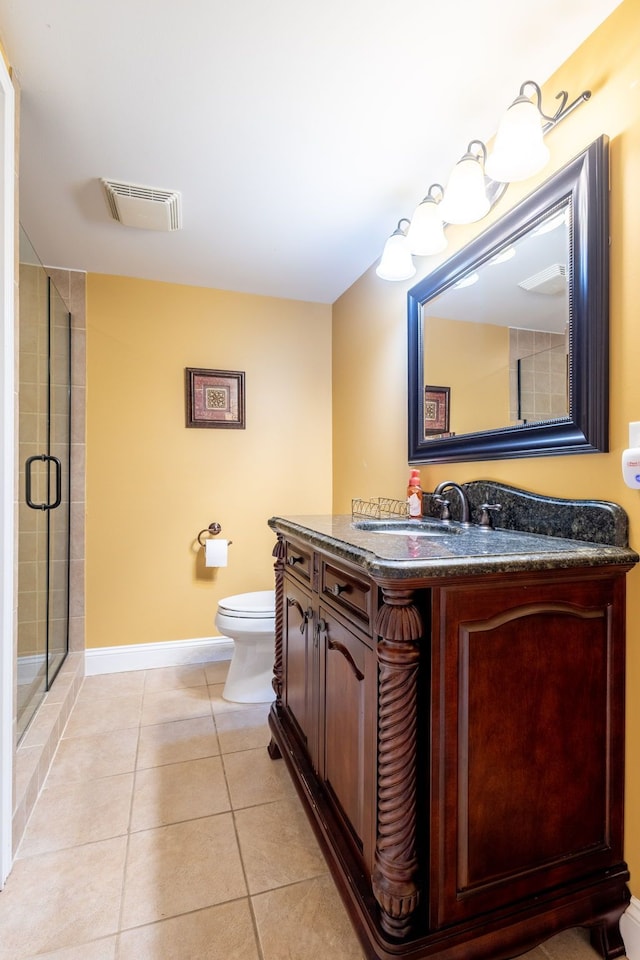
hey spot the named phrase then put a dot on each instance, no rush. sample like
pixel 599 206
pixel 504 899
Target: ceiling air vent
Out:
pixel 145 207
pixel 551 280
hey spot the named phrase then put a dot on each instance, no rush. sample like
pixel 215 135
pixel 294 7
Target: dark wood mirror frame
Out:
pixel 585 183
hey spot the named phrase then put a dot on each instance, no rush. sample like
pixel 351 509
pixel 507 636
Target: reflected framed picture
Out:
pixel 215 398
pixel 436 410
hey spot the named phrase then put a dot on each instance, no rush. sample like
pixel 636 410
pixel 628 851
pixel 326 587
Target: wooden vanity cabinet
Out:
pixel 329 696
pixel 459 744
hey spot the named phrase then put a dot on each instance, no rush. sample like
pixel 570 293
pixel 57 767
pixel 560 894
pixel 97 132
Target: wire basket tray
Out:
pixel 381 508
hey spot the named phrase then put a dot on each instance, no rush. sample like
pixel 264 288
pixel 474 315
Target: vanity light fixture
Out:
pixel 467 281
pixel 395 262
pixel 426 233
pixel 507 254
pixel 478 180
pixel 465 199
pixel 519 151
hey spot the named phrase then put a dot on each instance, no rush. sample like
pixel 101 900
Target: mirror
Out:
pixel 508 339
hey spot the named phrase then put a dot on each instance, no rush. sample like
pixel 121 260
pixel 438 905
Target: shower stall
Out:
pixel 44 433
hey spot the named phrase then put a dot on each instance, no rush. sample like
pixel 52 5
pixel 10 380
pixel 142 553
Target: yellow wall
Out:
pixel 152 484
pixel 473 360
pixel 369 396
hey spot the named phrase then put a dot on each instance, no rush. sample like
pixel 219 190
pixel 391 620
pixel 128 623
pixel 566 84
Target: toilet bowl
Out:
pixel 249 620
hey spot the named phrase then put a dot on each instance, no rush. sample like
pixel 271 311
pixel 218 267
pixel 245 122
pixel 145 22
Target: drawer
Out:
pixel 348 591
pixel 299 560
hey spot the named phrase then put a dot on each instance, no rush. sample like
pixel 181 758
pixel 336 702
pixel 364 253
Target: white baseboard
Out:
pixel 630 929
pixel 145 656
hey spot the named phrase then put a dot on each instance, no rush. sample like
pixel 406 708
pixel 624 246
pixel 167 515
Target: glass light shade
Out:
pixel 519 150
pixel 426 233
pixel 395 262
pixel 465 199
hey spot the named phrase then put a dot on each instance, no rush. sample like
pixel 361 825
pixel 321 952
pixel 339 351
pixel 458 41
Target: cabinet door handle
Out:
pixel 321 627
pixel 339 588
pixel 293 560
pixel 340 648
pixel 305 615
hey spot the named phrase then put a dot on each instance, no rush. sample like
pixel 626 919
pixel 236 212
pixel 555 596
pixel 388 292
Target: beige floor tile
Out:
pixel 175 678
pixel 569 945
pixel 88 758
pixel 98 950
pixel 163 706
pixel 109 685
pixel 243 729
pixel 253 778
pixel 179 791
pixel 216 671
pixel 176 741
pixel 220 705
pixel 305 921
pixel 277 845
pixel 179 868
pixel 62 899
pixel 224 932
pixel 84 812
pixel 90 717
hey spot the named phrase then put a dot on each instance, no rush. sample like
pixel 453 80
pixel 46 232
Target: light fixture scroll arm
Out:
pixel 562 111
pixel 476 154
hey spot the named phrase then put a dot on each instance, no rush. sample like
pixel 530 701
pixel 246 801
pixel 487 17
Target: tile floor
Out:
pixel 165 832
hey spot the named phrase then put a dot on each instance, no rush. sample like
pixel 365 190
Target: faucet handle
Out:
pixel 445 513
pixel 486 509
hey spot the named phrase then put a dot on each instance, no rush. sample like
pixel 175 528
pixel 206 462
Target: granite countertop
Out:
pixel 464 551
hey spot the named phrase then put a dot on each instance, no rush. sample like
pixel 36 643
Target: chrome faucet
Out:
pixel 464 502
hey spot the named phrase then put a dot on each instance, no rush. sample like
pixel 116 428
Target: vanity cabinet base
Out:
pixel 458 745
pixel 500 935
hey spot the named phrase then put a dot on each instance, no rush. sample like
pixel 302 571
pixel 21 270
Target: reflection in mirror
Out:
pixel 512 315
pixel 515 326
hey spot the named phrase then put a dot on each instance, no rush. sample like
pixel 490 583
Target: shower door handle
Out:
pixel 27 475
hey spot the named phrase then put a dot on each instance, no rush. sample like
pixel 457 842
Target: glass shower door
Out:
pixel 44 400
pixel 60 450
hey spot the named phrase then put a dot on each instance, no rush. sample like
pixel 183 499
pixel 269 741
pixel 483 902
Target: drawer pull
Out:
pixel 293 560
pixel 339 588
pixel 340 648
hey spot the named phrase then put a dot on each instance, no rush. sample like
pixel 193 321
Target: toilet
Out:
pixel 249 620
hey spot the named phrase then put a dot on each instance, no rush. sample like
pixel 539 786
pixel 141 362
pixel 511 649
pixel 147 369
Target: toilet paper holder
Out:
pixel 213 530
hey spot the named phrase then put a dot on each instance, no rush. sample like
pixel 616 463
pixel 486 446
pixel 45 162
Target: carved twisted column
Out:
pixel 399 628
pixel 279 552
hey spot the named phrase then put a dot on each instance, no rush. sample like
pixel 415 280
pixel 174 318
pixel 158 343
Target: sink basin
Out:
pixel 407 528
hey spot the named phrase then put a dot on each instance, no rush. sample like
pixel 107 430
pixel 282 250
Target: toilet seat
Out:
pixel 249 606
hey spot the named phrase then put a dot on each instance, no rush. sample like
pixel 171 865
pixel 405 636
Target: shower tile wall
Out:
pixel 544 380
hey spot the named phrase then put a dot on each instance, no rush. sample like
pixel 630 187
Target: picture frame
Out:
pixel 215 398
pixel 436 410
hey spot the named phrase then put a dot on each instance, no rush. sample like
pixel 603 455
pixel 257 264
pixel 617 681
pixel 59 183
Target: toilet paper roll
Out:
pixel 216 553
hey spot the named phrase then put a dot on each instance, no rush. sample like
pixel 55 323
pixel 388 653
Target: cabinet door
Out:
pixel 299 656
pixel 348 672
pixel 527 719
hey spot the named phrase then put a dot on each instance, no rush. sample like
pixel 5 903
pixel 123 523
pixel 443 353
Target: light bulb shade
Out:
pixel 395 262
pixel 465 199
pixel 426 233
pixel 519 150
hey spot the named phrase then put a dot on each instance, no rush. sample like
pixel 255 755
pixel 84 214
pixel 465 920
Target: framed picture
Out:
pixel 436 410
pixel 215 398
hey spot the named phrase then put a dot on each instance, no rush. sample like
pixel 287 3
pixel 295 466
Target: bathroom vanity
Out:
pixel 450 704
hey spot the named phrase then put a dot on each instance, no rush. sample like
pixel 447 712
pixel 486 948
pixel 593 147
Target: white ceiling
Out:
pixel 297 132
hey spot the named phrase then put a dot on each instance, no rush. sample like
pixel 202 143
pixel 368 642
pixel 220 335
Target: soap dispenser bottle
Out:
pixel 414 495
